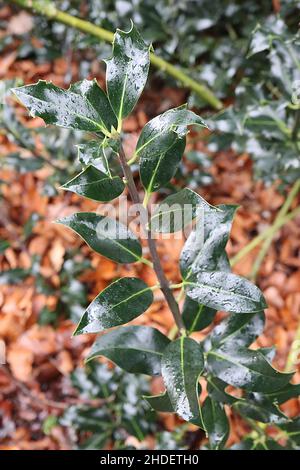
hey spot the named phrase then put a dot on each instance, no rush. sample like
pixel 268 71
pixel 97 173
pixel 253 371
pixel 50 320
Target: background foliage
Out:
pixel 235 63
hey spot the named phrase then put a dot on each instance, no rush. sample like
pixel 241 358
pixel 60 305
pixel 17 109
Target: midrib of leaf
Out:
pixel 219 290
pixel 159 134
pixel 149 189
pixel 182 367
pixel 222 391
pixel 97 181
pixel 122 103
pixel 196 318
pixel 125 249
pixel 105 159
pixel 102 129
pixel 222 341
pixel 114 242
pixel 162 213
pixel 229 359
pixel 136 294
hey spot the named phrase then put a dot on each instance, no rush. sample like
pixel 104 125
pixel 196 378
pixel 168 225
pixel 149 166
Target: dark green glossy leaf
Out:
pixel 292 430
pixel 157 171
pixel 256 406
pixel 160 133
pixel 215 422
pixel 204 249
pixel 216 389
pixel 91 152
pixel 285 393
pixel 225 291
pixel 83 106
pixel 246 369
pixel 239 329
pixel 160 403
pixel 177 211
pixel 96 185
pixel 121 302
pixel 105 236
pixel 161 145
pixel 269 353
pixel 182 365
pixel 136 349
pixel 196 316
pixel 101 155
pixel 127 71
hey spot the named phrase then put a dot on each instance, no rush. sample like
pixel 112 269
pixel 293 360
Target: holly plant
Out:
pixel 224 358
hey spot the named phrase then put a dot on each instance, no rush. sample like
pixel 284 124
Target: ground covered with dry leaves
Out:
pixel 35 381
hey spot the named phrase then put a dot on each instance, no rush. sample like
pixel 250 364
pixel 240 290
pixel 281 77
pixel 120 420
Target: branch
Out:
pixel 268 240
pixel 49 10
pixel 164 283
pixel 281 219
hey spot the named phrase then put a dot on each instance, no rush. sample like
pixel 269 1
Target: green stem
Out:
pixel 268 240
pixel 173 332
pixel 49 10
pixel 293 354
pixel 277 224
pixel 146 199
pixel 146 261
pixel 176 286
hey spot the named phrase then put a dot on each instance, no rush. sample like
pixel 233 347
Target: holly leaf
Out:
pixel 127 71
pixel 239 329
pixel 161 146
pixel 182 365
pixel 196 316
pixel 256 406
pixel 136 349
pixel 284 394
pixel 225 291
pixel 83 106
pixel 160 403
pixel 177 211
pixel 245 368
pixel 121 302
pixel 216 390
pixel 216 423
pixel 292 430
pixel 204 249
pixel 105 236
pixel 91 153
pixel 96 185
pixel 158 171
